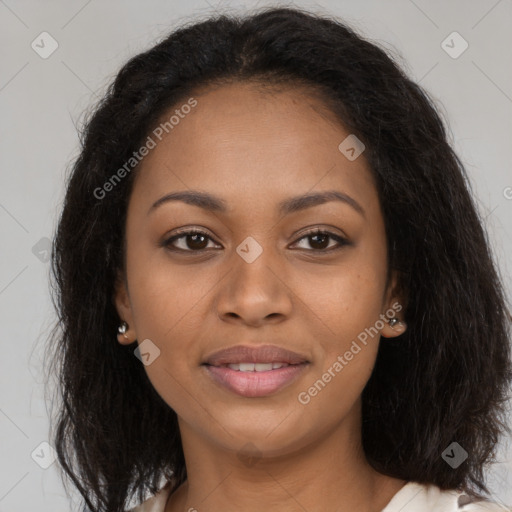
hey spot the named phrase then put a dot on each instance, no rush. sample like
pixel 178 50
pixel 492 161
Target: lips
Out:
pixel 254 371
pixel 263 354
pixel 256 367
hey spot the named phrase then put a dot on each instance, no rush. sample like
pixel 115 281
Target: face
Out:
pixel 264 272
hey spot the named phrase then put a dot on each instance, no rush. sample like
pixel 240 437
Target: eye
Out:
pixel 319 238
pixel 195 240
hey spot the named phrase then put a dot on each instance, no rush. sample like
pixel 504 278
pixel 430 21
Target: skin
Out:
pixel 255 148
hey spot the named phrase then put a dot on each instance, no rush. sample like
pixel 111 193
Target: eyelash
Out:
pixel 341 241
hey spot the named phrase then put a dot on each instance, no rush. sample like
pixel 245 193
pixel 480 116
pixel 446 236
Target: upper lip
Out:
pixel 260 354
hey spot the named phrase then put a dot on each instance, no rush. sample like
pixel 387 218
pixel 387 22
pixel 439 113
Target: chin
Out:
pixel 272 435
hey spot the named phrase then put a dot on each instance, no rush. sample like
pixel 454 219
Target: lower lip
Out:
pixel 255 384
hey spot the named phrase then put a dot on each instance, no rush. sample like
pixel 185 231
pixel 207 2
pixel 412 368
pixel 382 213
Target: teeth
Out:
pixel 256 367
pixel 263 367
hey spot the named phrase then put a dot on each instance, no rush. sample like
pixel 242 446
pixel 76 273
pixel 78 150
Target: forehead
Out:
pixel 264 142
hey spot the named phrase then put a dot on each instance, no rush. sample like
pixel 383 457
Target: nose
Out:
pixel 255 293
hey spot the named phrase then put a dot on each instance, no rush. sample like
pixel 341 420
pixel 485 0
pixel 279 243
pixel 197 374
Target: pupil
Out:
pixel 195 238
pixel 324 237
pixel 196 241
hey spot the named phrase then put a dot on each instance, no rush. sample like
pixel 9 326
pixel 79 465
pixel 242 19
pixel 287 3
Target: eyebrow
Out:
pixel 213 203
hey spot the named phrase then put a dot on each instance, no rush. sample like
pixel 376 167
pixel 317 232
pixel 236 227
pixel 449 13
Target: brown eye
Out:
pixel 319 241
pixel 191 241
pixel 197 241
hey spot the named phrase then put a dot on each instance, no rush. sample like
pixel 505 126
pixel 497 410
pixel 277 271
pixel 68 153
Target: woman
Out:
pixel 268 214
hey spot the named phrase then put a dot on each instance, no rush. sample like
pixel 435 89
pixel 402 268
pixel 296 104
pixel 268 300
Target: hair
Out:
pixel 445 379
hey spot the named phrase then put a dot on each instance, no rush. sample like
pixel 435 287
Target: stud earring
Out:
pixel 393 322
pixel 122 329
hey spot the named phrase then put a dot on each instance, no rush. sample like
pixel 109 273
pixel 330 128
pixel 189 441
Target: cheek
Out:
pixel 168 318
pixel 333 393
pixel 167 298
pixel 350 300
pixel 344 366
pixel 349 305
pixel 168 309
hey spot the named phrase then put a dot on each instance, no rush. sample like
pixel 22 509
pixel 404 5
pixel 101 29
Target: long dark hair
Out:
pixel 446 379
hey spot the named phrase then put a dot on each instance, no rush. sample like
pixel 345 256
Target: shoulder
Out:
pixel 413 497
pixel 484 506
pixel 155 503
pixel 416 497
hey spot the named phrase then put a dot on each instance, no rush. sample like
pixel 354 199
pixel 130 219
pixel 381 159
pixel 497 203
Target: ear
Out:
pixel 394 308
pixel 124 310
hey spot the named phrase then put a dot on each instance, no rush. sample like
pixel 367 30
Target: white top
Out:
pixel 412 497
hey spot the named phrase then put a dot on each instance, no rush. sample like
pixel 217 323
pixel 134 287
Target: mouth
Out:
pixel 255 367
pixel 262 354
pixel 254 371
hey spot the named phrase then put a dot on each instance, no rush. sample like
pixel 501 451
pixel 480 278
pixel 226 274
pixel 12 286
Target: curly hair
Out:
pixel 445 379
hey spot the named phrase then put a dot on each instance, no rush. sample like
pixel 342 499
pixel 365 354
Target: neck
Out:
pixel 329 474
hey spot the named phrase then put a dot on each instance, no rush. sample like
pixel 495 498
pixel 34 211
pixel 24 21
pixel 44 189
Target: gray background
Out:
pixel 42 100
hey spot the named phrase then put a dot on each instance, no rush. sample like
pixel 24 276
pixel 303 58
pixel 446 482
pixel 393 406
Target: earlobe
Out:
pixel 125 334
pixel 393 327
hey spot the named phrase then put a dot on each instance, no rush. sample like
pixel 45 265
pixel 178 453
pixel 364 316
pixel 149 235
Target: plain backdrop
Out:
pixel 42 101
